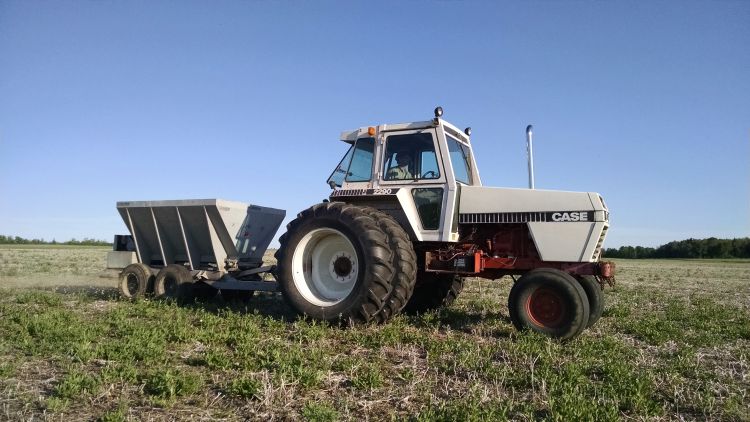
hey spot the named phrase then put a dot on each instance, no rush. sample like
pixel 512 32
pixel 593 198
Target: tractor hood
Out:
pixel 550 205
pixel 565 226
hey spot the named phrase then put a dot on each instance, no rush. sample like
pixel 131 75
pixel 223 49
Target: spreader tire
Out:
pixel 595 297
pixel 404 262
pixel 549 301
pixel 433 291
pixel 173 281
pixel 134 280
pixel 335 264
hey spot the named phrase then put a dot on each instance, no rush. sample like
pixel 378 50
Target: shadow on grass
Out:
pixel 462 320
pixel 272 305
pixel 268 304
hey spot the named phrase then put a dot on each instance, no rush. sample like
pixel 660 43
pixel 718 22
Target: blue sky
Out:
pixel 647 103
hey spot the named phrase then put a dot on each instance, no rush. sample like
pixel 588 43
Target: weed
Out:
pixel 75 384
pixel 169 384
pixel 319 412
pixel 245 387
pixel 39 298
pixel 117 415
pixel 7 369
pixel 470 409
pixel 367 378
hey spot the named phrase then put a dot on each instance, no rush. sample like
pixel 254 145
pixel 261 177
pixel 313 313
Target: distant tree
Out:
pixel 688 248
pixel 17 240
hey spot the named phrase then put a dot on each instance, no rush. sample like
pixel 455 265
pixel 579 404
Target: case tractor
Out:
pixel 406 222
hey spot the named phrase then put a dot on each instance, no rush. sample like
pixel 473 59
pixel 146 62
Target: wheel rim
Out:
pixel 131 284
pixel 325 267
pixel 546 308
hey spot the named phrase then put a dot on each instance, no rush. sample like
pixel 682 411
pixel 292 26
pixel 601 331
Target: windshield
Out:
pixel 459 154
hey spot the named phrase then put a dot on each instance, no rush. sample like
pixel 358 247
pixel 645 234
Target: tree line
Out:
pixel 16 240
pixel 689 248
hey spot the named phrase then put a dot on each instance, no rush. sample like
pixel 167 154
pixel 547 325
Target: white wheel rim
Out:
pixel 325 267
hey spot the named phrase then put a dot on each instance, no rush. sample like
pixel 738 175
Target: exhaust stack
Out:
pixel 530 154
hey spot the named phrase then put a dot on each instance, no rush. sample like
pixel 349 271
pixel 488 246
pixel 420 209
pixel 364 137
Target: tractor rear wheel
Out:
pixel 173 281
pixel 404 262
pixel 595 297
pixel 335 264
pixel 549 301
pixel 134 280
pixel 433 291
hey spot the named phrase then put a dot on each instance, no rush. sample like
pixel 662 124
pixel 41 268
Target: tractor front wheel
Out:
pixel 549 301
pixel 595 297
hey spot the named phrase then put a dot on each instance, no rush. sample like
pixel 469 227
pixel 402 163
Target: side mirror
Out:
pixel 332 184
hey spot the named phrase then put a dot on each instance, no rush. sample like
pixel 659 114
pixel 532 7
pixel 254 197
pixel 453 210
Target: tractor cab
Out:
pixel 419 167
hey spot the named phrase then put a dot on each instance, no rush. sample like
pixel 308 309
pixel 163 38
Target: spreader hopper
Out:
pixel 202 234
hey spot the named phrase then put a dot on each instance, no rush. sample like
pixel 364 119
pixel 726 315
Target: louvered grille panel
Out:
pixel 502 217
pixel 598 249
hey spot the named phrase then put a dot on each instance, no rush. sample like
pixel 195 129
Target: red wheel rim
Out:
pixel 545 307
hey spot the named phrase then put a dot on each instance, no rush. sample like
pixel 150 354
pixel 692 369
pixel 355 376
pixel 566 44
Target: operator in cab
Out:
pixel 401 171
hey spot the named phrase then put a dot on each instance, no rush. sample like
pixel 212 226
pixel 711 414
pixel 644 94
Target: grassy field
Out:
pixel 672 345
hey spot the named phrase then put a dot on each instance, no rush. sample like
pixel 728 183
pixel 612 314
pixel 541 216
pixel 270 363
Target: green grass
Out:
pixel 672 344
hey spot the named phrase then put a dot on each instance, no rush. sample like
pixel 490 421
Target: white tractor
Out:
pixel 407 221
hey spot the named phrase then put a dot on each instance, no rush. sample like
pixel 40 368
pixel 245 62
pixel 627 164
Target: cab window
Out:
pixel 459 154
pixel 410 157
pixel 360 168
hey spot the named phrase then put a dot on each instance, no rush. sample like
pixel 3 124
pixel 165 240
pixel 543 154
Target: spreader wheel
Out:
pixel 549 301
pixel 173 281
pixel 134 280
pixel 335 264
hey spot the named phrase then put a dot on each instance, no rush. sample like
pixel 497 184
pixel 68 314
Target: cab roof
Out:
pixel 351 136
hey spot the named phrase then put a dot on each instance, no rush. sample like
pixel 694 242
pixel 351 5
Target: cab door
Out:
pixel 411 162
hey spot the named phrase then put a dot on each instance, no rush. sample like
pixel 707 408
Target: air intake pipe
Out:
pixel 530 154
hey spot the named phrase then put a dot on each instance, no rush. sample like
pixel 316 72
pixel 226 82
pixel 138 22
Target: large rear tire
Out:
pixel 433 291
pixel 404 262
pixel 134 280
pixel 595 297
pixel 335 264
pixel 549 301
pixel 173 281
